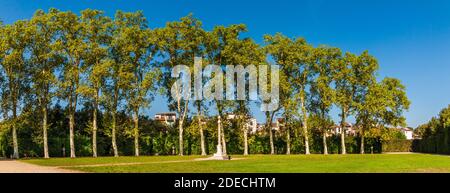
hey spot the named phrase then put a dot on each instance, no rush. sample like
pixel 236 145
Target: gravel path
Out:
pixel 150 162
pixel 13 166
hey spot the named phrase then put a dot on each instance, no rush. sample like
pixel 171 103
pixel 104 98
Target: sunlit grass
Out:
pixel 259 164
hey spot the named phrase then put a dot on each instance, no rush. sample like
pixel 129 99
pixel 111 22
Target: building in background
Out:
pixel 278 124
pixel 251 123
pixel 350 129
pixel 166 118
pixel 408 132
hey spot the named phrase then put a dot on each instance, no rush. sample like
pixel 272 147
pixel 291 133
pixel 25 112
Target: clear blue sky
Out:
pixel 411 39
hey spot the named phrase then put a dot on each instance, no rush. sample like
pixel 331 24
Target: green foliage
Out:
pixel 435 134
pixel 380 163
pixel 116 66
pixel 397 146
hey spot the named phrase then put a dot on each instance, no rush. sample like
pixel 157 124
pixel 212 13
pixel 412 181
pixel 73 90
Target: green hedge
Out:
pixel 433 144
pixel 397 146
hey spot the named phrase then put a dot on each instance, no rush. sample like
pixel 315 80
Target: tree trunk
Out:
pixel 344 115
pixel 14 129
pixel 220 125
pixel 114 121
pixel 136 132
pixel 324 140
pixel 269 128
pixel 362 140
pixel 94 127
pixel 202 141
pixel 200 126
pixel 288 141
pixel 245 142
pixel 180 137
pixel 113 134
pixel 71 134
pixel 272 148
pixel 72 109
pixel 15 144
pixel 44 126
pixel 219 135
pixel 305 124
pixel 224 143
pixel 182 115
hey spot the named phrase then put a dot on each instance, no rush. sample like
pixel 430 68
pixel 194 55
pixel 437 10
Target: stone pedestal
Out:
pixel 219 155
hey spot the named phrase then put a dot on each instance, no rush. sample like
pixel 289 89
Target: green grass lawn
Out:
pixel 259 164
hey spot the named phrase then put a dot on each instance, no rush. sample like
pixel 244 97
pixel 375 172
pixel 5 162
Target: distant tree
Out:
pixel 291 118
pixel 139 52
pixel 444 118
pixel 293 57
pixel 179 43
pixel 201 107
pixel 435 133
pixel 72 47
pixel 345 86
pixel 120 75
pixel 383 105
pixel 3 85
pixel 247 56
pixel 322 92
pixel 193 39
pixel 44 61
pixel 14 41
pixel 365 68
pixel 225 47
pixel 117 66
pixel 97 34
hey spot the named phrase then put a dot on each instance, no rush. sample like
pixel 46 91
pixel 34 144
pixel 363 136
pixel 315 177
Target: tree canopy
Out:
pixel 85 80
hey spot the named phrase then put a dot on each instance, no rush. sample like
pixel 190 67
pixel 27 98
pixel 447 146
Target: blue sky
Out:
pixel 411 39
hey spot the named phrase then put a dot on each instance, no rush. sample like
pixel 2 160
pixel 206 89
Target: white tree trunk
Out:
pixel 15 143
pixel 44 126
pixel 72 135
pixel 269 129
pixel 14 129
pixel 288 142
pixel 94 131
pixel 202 136
pixel 219 135
pixel 180 137
pixel 245 142
pixel 136 132
pixel 114 121
pixel 344 115
pixel 362 140
pixel 202 141
pixel 324 140
pixel 200 126
pixel 272 148
pixel 305 125
pixel 224 143
pixel 72 110
pixel 113 135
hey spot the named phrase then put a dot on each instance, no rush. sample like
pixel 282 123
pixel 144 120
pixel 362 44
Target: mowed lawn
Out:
pixel 369 163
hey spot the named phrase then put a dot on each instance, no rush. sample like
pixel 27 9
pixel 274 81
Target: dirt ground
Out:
pixel 12 166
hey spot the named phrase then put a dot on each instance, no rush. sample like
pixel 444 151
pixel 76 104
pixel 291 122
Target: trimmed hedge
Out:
pixel 433 144
pixel 397 146
pixel 428 145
